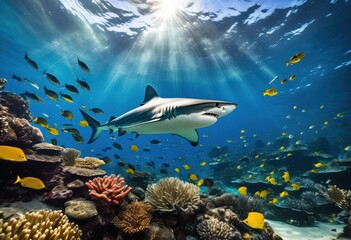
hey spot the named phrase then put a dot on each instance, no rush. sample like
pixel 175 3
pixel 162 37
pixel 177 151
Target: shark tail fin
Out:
pixel 94 124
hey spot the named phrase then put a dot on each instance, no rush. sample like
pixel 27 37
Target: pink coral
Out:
pixel 108 188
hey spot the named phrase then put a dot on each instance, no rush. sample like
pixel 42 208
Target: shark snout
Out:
pixel 223 109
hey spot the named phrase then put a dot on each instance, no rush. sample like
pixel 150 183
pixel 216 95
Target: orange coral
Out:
pixel 134 218
pixel 108 188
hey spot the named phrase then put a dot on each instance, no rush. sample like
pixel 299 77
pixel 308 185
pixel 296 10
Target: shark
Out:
pixel 157 115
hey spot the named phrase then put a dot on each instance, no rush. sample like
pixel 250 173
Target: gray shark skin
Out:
pixel 156 115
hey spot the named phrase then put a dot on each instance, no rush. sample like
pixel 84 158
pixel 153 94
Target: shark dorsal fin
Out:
pixel 150 93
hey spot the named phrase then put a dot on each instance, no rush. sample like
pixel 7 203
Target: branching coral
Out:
pixel 42 225
pixel 134 218
pixel 108 188
pixel 341 197
pixel 69 156
pixel 173 194
pixel 214 229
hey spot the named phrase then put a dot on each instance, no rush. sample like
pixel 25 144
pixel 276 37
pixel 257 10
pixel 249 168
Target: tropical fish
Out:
pixel 117 146
pixel 295 186
pixel 51 94
pixel 52 131
pixel 106 159
pixel 166 165
pixel 67 114
pixel 193 177
pixel 41 121
pixel 52 78
pixel 12 154
pixel 272 181
pixel 283 81
pixel 202 164
pixel 270 92
pixel 238 167
pixel 96 110
pixel 200 182
pixel 66 97
pixel 242 190
pixel 263 194
pixel 158 115
pixel 83 84
pixel 35 85
pixel 292 77
pixel 78 138
pixel 72 131
pixel 186 167
pixel 30 182
pixel 275 78
pixel 83 66
pixel 273 201
pixel 177 170
pixel 255 220
pixel 31 62
pixel 83 123
pixel 121 164
pixel 32 96
pixel 284 194
pixel 17 78
pixel 134 148
pixel 71 88
pixel 130 171
pixel 295 59
pixel 319 165
pixel 164 171
pixel 286 176
pixel 348 148
pixel 154 141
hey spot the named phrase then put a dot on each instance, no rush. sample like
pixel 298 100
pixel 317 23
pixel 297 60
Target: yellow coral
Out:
pixel 134 218
pixel 42 224
pixel 88 162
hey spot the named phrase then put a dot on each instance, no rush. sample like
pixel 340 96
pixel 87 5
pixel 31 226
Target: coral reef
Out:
pixel 15 105
pixel 226 199
pixel 341 197
pixel 245 204
pixel 83 172
pixel 40 225
pixel 108 188
pixel 69 156
pixel 59 192
pixel 214 229
pixel 134 218
pixel 80 209
pixel 88 162
pixel 173 194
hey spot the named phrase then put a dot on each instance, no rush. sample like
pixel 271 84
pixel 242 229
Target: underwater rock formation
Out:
pixel 59 192
pixel 341 197
pixel 173 194
pixel 226 199
pixel 40 225
pixel 69 156
pixel 134 218
pixel 15 129
pixel 108 188
pixel 88 162
pixel 80 209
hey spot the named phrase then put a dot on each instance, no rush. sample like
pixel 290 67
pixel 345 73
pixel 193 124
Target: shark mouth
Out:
pixel 211 114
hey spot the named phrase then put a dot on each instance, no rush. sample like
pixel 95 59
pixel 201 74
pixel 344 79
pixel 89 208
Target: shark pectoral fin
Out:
pixel 189 134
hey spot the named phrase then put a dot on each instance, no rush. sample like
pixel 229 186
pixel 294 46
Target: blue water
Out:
pixel 206 49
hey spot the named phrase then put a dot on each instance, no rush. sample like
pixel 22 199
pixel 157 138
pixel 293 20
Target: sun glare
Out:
pixel 168 8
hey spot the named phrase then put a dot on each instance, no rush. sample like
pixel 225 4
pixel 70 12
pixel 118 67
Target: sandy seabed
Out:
pixel 321 231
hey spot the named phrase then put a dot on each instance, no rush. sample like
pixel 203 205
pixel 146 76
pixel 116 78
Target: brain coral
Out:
pixel 134 218
pixel 214 229
pixel 173 194
pixel 41 224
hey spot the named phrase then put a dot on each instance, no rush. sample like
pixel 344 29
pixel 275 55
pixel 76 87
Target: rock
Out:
pixel 48 149
pixel 59 192
pixel 44 158
pixel 80 209
pixel 160 232
pixel 10 212
pixel 16 105
pixel 75 184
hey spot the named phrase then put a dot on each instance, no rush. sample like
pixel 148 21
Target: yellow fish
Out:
pixel 295 107
pixel 295 186
pixel 289 154
pixel 272 181
pixel 66 97
pixel 318 165
pixel 273 201
pixel 255 220
pixel 67 114
pixel 242 130
pixel 130 171
pixel 284 194
pixel 242 137
pixel 83 123
pixel 321 107
pixel 257 156
pixel 270 92
pixel 263 194
pixel 12 154
pixel 186 167
pixel 203 164
pixel 348 148
pixel 326 123
pixel 134 148
pixel 272 172
pixel 313 171
pixel 30 182
pixel 292 77
pixel 200 182
pixel 238 167
pixel 262 165
pixel 52 131
pixel 242 190
pixel 177 170
pixel 286 176
pixel 250 176
pixel 193 177
pixel 282 148
pixel 41 121
pixel 295 59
